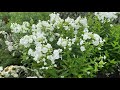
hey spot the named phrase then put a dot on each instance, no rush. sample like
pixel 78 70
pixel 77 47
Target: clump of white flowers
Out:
pixel 95 39
pixel 102 16
pixel 82 48
pixel 26 40
pixel 42 34
pixel 17 28
pixel 45 42
pixel 10 45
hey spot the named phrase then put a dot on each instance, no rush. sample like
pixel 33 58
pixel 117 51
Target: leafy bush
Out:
pixel 6 58
pixel 70 48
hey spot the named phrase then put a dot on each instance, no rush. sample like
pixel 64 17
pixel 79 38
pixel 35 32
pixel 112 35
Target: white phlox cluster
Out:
pixel 9 45
pixel 17 28
pixel 110 16
pixel 66 42
pixel 95 39
pixel 40 37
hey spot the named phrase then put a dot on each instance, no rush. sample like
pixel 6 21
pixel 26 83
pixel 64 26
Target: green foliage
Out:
pixel 112 50
pixel 6 57
pixel 20 17
pixel 75 63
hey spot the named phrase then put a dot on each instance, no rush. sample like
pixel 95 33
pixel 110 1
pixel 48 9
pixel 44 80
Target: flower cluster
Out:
pixel 102 16
pixel 10 45
pixel 66 42
pixel 42 34
pixel 16 28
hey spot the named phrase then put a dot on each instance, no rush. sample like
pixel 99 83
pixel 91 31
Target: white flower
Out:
pixel 30 39
pixel 59 41
pixel 50 57
pixel 78 20
pixel 96 43
pixel 70 49
pixel 44 50
pixel 104 57
pixel 10 45
pixel 16 28
pixel 75 32
pixel 27 24
pixel 30 52
pixel 110 16
pixel 96 37
pixel 57 34
pixel 51 39
pixel 37 55
pixel 46 67
pixel 55 65
pixel 83 21
pixel 48 45
pixel 1 68
pixel 86 36
pixel 64 43
pixel 66 27
pixel 73 40
pixel 56 54
pixel 33 26
pixel 111 25
pixel 45 63
pixel 81 42
pixel 26 40
pixel 55 19
pixel 88 72
pixel 10 48
pixel 69 20
pixel 86 30
pixel 62 76
pixel 32 77
pixel 69 44
pixel 99 48
pixel 45 23
pixel 82 48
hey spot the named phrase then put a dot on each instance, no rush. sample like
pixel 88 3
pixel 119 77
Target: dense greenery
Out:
pixel 89 45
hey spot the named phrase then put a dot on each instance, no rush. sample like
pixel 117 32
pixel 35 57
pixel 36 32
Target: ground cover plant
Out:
pixel 47 46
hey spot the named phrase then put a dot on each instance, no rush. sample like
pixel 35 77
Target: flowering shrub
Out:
pixel 64 47
pixel 7 18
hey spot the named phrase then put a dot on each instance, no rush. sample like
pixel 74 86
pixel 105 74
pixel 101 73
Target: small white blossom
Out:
pixel 1 68
pixel 82 48
pixel 86 36
pixel 44 50
pixel 111 25
pixel 56 54
pixel 83 21
pixel 81 42
pixel 104 57
pixel 96 43
pixel 86 30
pixel 32 77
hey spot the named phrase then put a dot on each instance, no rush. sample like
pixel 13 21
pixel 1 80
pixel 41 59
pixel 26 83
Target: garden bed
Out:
pixel 59 45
